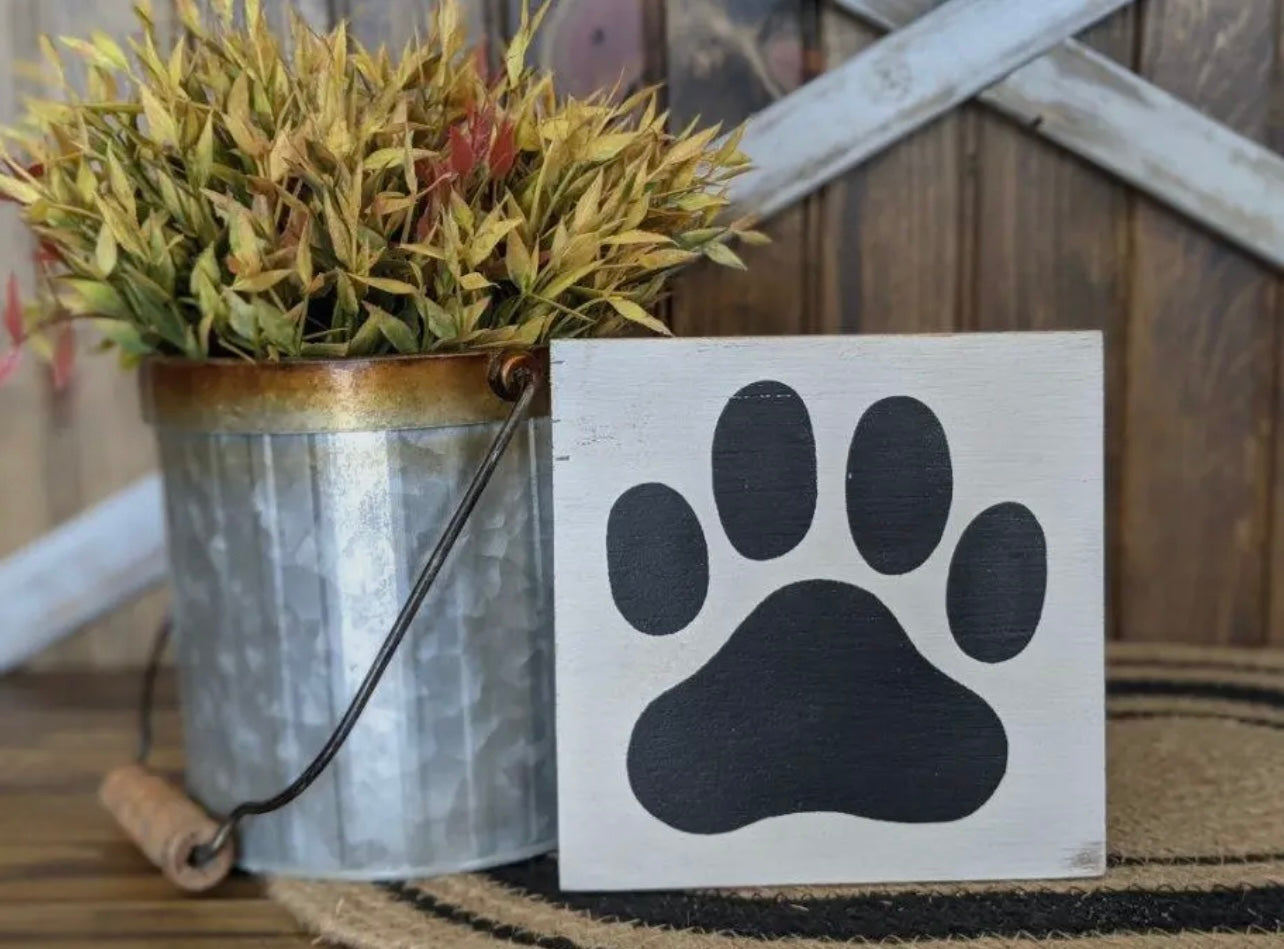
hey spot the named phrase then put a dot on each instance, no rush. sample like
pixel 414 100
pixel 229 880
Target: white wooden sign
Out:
pixel 829 609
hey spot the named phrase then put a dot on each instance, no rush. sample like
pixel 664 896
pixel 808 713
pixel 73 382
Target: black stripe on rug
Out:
pixel 1168 688
pixel 439 909
pixel 1008 914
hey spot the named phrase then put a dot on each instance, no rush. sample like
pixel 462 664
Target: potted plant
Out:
pixel 313 255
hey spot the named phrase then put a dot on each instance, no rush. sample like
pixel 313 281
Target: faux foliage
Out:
pixel 239 195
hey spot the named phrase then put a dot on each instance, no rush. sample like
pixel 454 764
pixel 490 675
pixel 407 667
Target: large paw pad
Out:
pixel 818 700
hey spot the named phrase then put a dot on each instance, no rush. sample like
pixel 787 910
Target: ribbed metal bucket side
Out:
pixel 291 556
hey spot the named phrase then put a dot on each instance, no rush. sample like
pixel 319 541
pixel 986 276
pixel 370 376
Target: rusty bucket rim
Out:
pixel 306 396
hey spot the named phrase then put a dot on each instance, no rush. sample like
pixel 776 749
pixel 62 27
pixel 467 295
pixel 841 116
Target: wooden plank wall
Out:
pixel 971 223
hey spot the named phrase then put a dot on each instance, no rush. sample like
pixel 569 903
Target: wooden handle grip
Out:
pixel 165 824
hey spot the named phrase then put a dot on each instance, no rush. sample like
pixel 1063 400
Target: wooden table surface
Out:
pixel 68 878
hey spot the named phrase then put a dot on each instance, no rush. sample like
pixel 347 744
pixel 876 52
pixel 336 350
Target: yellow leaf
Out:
pixel 474 281
pixel 635 314
pixel 203 160
pixel 424 250
pixel 89 52
pixel 19 191
pixel 492 231
pixel 109 48
pixel 586 209
pixel 664 259
pixel 566 281
pixel 262 282
pixel 397 287
pixel 724 255
pixel 606 147
pixel 105 253
pixel 515 58
pixel 163 127
pixel 86 183
pixel 303 262
pixel 638 237
pixel 461 212
pixel 121 186
pixel 519 262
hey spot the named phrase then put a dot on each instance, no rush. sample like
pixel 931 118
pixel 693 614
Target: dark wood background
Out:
pixel 970 224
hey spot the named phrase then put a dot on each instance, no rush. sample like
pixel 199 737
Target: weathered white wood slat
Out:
pixel 1112 117
pixel 897 85
pixel 81 571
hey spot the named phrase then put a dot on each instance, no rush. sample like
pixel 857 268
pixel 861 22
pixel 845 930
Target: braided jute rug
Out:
pixel 1196 839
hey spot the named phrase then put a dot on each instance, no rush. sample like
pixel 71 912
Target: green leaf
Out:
pixel 394 331
pixel 123 335
pixel 367 339
pixel 635 314
pixel 94 298
pixel 439 322
pixel 276 327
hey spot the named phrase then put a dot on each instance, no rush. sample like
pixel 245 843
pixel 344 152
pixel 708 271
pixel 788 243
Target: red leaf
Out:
pixel 482 58
pixel 481 125
pixel 462 157
pixel 8 363
pixel 423 228
pixel 64 357
pixel 504 152
pixel 13 311
pixel 47 253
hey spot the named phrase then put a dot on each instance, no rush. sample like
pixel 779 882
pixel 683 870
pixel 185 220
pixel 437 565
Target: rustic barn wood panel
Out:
pixel 1102 111
pixel 1049 250
pixel 972 222
pixel 726 60
pixel 893 254
pixel 1200 360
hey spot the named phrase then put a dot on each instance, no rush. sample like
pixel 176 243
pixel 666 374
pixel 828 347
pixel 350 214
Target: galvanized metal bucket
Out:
pixel 301 499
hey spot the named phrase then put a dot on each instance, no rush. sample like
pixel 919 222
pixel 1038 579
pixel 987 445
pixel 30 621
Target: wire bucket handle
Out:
pixel 195 850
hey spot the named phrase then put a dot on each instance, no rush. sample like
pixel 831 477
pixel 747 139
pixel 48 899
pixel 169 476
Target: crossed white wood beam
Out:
pixel 1017 56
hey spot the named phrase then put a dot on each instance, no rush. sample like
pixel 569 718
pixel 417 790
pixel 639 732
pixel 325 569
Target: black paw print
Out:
pixel 819 701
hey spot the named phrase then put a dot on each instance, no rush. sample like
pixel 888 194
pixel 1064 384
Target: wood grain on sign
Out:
pixel 727 60
pixel 896 229
pixel 92 440
pixel 1051 248
pixel 1200 362
pixel 828 609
